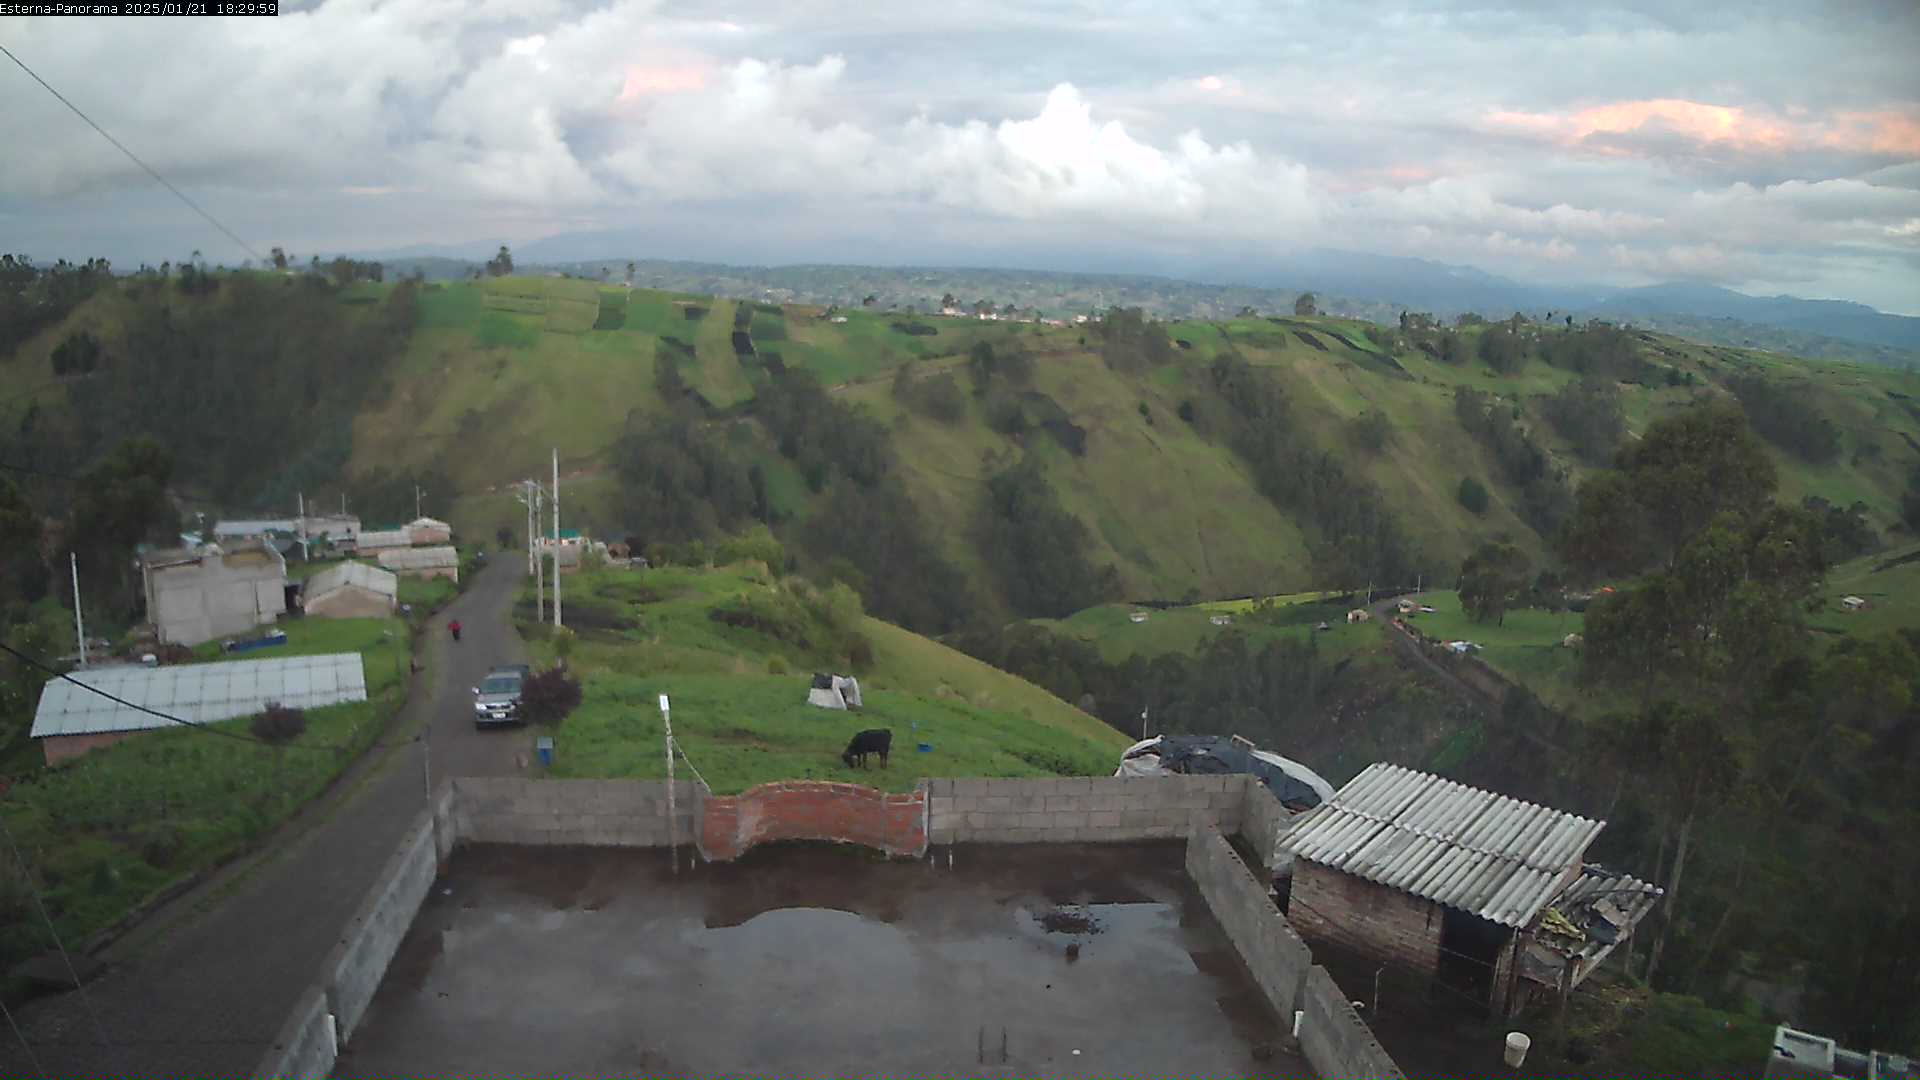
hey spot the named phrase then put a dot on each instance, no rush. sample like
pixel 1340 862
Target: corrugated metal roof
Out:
pixel 419 558
pixel 1496 857
pixel 384 538
pixel 202 693
pixel 352 573
pixel 253 526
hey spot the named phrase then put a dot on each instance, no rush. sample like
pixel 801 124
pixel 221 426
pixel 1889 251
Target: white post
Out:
pixel 416 502
pixel 556 536
pixel 79 621
pixel 673 821
pixel 302 525
pixel 539 568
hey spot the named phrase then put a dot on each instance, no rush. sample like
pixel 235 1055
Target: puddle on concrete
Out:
pixel 818 962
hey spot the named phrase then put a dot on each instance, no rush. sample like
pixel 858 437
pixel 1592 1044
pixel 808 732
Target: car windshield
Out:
pixel 500 684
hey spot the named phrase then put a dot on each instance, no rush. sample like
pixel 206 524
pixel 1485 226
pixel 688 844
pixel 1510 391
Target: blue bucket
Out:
pixel 543 746
pixel 926 748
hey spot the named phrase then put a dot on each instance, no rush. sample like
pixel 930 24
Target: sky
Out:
pixel 1768 147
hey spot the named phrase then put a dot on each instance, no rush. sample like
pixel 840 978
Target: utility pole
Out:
pixel 530 494
pixel 416 502
pixel 301 524
pixel 556 537
pixel 79 623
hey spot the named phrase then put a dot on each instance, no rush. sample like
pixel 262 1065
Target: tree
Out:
pixel 1040 552
pixel 501 264
pixel 869 300
pixel 1666 488
pixel 1473 495
pixel 948 300
pixel 546 697
pixel 121 502
pixel 1492 580
pixel 279 258
pixel 1910 501
pixel 1306 304
pixel 23 569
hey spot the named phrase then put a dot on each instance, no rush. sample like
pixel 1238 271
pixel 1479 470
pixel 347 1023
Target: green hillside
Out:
pixel 1138 442
pixel 735 650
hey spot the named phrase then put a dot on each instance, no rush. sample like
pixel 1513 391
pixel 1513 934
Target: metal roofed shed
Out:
pixel 1418 868
pixel 423 562
pixel 1490 855
pixel 71 720
pixel 351 590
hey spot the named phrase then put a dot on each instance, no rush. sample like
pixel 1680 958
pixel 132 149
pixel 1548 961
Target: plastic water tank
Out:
pixel 1518 1043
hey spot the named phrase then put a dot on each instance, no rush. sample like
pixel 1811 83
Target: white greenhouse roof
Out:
pixel 200 693
pixel 352 573
pixel 427 558
pixel 1490 855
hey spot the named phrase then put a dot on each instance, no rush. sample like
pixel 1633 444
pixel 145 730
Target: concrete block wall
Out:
pixel 359 961
pixel 1334 1039
pixel 446 832
pixel 1275 955
pixel 304 1049
pixel 1080 809
pixel 1339 907
pixel 813 810
pixel 1263 821
pixel 608 813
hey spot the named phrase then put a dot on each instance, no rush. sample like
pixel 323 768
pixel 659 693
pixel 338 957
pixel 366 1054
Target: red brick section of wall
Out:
pixel 58 748
pixel 813 810
pixel 1331 906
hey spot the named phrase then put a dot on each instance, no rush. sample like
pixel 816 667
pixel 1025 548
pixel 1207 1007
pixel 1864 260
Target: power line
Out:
pixel 195 207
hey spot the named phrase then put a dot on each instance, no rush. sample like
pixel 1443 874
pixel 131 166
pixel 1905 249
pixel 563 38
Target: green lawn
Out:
pixel 106 831
pixel 1186 630
pixel 1525 647
pixel 1894 593
pixel 739 695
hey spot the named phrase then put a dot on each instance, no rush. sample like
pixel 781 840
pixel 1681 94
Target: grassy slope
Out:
pixel 739 696
pixel 1894 593
pixel 500 371
pixel 122 822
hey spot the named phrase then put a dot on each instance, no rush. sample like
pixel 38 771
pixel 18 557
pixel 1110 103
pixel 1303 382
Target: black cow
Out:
pixel 878 741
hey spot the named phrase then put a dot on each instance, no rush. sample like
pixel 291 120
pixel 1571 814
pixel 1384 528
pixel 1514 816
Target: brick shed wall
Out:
pixel 1329 905
pixel 59 748
pixel 813 810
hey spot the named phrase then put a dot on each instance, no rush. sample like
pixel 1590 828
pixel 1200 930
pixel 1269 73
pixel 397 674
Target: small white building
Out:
pixel 1854 603
pixel 351 590
pixel 425 562
pixel 423 531
pixel 383 539
pixel 1137 617
pixel 198 594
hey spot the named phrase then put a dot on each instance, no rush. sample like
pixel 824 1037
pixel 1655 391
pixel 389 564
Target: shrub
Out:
pixel 860 655
pixel 776 665
pixel 278 724
pixel 1146 413
pixel 756 543
pixel 548 696
pixel 1473 495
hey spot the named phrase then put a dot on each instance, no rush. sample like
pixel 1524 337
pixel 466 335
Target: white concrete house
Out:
pixel 196 595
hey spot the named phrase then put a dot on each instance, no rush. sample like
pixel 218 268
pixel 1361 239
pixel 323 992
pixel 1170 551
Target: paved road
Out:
pixel 205 983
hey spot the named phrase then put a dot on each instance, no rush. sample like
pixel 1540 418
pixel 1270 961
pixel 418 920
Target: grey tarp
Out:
pixel 1295 785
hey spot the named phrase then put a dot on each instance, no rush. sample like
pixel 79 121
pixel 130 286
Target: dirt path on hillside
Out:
pixel 204 983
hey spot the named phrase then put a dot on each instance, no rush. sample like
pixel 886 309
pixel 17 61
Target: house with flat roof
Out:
pixel 198 594
pixel 75 714
pixel 1445 880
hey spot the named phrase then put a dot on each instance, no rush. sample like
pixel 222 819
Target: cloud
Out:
pixel 1769 144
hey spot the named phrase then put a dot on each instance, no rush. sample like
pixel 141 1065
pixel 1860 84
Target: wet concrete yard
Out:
pixel 818 962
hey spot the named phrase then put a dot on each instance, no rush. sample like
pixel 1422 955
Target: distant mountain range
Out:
pixel 1376 287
